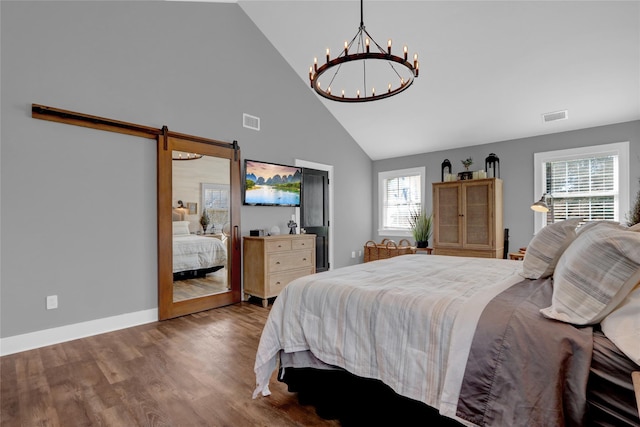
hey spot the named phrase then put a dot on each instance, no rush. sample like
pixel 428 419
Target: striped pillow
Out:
pixel 547 246
pixel 595 274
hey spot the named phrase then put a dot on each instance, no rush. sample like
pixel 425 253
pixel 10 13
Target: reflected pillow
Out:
pixel 596 272
pixel 181 228
pixel 635 227
pixel 546 247
pixel 622 326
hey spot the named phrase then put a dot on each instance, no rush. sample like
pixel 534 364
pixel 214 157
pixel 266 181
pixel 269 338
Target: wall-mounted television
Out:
pixel 271 184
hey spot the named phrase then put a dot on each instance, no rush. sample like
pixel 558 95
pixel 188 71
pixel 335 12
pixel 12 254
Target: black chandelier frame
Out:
pixel 316 72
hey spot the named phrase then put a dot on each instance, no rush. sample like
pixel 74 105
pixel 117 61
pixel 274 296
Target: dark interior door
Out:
pixel 314 213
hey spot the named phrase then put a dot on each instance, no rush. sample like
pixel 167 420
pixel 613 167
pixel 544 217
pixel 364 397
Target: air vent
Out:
pixel 250 122
pixel 556 115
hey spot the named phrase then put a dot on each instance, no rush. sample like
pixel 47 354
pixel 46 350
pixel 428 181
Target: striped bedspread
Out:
pixel 394 320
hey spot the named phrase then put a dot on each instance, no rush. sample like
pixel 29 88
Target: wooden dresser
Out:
pixel 271 262
pixel 467 218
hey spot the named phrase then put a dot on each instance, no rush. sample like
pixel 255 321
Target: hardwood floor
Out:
pixel 195 370
pixel 212 283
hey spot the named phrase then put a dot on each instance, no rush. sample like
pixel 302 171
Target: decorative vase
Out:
pixel 422 244
pixel 204 229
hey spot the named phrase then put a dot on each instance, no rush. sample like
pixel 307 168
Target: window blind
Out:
pixel 402 196
pixel 585 188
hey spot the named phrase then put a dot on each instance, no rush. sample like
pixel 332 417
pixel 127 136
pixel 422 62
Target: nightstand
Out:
pixel 424 251
pixel 516 255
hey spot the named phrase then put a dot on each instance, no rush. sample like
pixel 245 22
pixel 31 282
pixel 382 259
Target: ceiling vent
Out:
pixel 250 122
pixel 556 115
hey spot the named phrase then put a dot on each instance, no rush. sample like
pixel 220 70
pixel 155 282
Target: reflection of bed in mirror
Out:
pixel 194 255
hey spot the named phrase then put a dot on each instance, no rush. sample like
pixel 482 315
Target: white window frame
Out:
pixel 382 176
pixel 621 149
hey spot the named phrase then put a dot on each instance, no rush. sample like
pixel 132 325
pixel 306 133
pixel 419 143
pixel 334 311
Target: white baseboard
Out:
pixel 31 340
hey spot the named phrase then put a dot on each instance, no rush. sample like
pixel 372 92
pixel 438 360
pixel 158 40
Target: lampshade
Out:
pixel 541 205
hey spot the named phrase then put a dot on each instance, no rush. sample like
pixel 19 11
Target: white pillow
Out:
pixel 622 326
pixel 546 247
pixel 180 228
pixel 596 272
pixel 635 227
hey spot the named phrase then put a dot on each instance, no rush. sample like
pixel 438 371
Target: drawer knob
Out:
pixel 277 283
pixel 304 259
pixel 277 262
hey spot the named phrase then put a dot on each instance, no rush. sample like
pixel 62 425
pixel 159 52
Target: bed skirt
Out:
pixel 356 401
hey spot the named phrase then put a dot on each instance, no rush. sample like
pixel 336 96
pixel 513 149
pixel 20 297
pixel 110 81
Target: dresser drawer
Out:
pixel 289 260
pixel 303 243
pixel 278 281
pixel 278 245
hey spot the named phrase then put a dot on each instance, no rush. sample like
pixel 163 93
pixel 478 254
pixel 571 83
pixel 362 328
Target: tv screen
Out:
pixel 271 184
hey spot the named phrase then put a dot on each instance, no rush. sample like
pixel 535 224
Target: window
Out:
pixel 215 202
pixel 588 182
pixel 400 192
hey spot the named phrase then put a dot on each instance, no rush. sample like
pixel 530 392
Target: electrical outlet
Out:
pixel 353 254
pixel 52 302
pixel 359 253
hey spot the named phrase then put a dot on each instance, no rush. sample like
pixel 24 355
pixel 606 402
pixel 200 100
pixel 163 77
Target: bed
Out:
pixel 551 340
pixel 195 255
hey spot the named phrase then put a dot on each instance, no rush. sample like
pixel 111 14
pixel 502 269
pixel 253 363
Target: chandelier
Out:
pixel 358 51
pixel 181 155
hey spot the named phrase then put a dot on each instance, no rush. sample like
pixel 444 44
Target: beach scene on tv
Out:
pixel 271 184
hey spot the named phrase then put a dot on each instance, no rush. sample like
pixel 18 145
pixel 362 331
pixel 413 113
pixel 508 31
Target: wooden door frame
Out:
pixel 167 308
pixel 329 170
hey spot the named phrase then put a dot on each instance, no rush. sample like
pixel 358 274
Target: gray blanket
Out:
pixel 524 369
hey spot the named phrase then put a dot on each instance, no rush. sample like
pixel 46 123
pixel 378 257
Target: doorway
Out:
pixel 316 214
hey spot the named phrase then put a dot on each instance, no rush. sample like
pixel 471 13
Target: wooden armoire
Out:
pixel 467 218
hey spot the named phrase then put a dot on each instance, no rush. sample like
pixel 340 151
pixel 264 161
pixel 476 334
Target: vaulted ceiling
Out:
pixel 488 69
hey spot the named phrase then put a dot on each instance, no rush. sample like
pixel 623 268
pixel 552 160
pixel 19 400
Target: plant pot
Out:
pixel 422 244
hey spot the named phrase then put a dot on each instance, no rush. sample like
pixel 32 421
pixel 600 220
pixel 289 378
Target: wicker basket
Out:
pixel 386 249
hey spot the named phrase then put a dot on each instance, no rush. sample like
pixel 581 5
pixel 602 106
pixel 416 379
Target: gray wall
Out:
pixel 78 212
pixel 516 167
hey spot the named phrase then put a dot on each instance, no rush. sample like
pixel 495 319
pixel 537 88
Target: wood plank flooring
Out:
pixel 195 370
pixel 212 283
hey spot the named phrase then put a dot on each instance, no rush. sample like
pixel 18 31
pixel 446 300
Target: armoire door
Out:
pixel 198 224
pixel 447 210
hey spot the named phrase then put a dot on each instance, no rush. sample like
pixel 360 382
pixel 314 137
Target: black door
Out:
pixel 314 213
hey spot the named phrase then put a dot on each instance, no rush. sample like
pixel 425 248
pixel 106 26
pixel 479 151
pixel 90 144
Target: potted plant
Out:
pixel 204 221
pixel 467 162
pixel 421 224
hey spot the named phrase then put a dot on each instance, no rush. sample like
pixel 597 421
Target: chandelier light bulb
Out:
pixel 415 60
pixel 373 91
pixel 389 88
pixel 358 93
pixel 343 93
pixel 389 46
pixel 315 63
pixel 405 52
pixel 346 48
pixel 366 43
